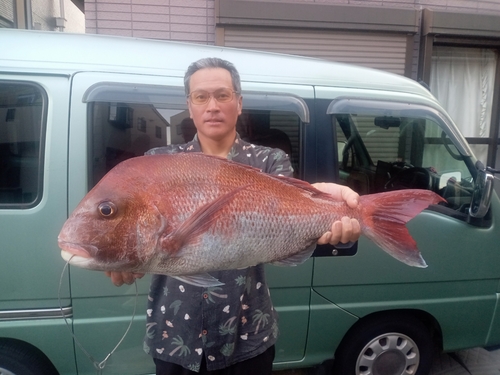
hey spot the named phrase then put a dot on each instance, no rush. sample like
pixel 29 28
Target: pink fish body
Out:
pixel 188 214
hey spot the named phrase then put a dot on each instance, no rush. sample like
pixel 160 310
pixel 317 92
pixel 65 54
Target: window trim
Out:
pixel 349 105
pixel 161 97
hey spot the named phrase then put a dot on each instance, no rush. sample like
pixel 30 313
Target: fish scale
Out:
pixel 189 214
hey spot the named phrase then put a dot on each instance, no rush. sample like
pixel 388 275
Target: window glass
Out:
pixel 383 153
pixel 7 12
pixel 147 117
pixel 21 131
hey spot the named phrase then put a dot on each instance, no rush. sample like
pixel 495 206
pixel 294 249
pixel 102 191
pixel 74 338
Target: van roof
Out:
pixel 65 53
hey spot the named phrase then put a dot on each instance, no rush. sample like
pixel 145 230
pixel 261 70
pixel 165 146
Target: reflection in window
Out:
pixel 124 130
pixel 276 129
pixel 21 122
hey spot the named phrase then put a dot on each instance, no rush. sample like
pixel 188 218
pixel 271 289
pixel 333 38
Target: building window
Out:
pixel 463 80
pixel 7 13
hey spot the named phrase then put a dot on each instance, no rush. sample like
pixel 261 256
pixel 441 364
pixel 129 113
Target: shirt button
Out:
pixel 204 332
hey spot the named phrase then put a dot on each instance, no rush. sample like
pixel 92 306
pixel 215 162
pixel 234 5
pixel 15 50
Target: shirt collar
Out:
pixel 236 149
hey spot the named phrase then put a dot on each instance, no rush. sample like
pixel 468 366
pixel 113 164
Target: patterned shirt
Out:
pixel 226 324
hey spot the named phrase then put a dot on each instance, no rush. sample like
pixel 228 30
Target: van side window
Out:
pixel 276 129
pixel 383 152
pixel 22 124
pixel 128 128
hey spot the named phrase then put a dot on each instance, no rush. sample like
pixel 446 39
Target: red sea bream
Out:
pixel 188 214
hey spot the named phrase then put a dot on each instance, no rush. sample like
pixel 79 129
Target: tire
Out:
pixel 386 345
pixel 19 358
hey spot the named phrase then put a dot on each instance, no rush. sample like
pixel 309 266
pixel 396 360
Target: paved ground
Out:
pixel 478 362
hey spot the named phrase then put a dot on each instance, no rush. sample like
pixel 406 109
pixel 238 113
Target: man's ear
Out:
pixel 240 104
pixel 189 109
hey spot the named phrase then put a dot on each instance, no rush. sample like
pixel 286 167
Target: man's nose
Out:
pixel 212 104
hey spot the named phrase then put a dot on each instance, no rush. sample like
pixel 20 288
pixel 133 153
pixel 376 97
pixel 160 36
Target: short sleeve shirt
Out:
pixel 226 324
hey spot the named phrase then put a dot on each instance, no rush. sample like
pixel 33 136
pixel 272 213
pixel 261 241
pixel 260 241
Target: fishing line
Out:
pixel 98 365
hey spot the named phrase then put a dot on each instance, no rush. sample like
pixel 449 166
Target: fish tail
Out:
pixel 384 217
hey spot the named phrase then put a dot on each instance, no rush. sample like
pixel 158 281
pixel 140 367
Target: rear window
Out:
pixel 22 124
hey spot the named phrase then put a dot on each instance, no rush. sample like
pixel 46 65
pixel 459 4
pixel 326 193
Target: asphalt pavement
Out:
pixel 477 361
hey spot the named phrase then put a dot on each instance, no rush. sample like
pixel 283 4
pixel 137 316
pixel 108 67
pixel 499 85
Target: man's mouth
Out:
pixel 214 121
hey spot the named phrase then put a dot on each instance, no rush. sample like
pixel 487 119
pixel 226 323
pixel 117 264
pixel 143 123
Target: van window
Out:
pixel 127 120
pixel 389 151
pixel 22 124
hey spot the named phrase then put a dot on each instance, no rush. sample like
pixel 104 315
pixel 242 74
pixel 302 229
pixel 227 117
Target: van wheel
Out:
pixel 19 358
pixel 387 345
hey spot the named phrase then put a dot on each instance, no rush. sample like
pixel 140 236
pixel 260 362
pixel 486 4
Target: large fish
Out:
pixel 187 214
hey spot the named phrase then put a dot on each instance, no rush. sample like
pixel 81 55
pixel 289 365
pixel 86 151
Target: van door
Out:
pixel 118 116
pixel 113 118
pixel 395 144
pixel 33 207
pixel 280 116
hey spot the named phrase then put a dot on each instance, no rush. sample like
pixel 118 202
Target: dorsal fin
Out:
pixel 303 185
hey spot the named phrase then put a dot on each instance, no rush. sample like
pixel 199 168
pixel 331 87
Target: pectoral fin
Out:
pixel 199 222
pixel 204 280
pixel 296 259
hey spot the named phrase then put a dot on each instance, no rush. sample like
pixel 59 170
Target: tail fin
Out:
pixel 384 217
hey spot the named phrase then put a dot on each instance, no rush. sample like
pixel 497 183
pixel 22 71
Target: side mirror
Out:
pixel 481 196
pixel 445 177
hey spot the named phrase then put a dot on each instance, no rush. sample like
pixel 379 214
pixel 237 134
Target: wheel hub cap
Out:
pixel 389 354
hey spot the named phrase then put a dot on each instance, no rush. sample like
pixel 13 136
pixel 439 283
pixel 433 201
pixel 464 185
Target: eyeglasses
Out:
pixel 223 95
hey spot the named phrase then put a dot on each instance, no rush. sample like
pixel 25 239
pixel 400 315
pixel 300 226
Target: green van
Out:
pixel 73 106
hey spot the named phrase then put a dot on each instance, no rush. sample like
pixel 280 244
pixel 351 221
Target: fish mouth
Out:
pixel 76 260
pixel 77 250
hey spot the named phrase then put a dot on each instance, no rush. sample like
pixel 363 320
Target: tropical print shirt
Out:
pixel 226 324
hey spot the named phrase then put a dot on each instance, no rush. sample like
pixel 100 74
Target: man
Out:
pixel 230 329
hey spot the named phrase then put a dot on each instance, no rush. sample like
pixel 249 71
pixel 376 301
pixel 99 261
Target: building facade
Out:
pixel 452 46
pixel 48 15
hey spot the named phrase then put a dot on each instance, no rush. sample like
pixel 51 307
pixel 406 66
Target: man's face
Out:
pixel 214 120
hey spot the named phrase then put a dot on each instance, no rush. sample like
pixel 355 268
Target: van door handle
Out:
pixel 348 249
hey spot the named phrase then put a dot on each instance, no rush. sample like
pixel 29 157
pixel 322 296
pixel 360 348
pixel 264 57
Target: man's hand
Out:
pixel 344 230
pixel 120 278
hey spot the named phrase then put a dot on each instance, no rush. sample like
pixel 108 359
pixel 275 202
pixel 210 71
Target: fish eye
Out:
pixel 107 209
